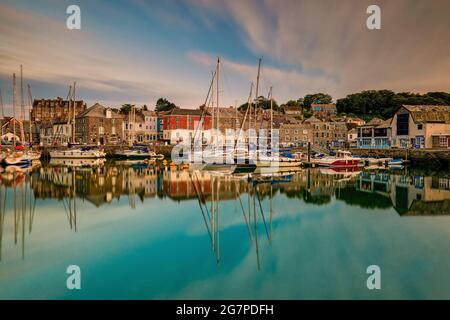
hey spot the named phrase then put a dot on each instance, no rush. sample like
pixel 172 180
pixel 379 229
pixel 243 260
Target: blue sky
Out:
pixel 137 51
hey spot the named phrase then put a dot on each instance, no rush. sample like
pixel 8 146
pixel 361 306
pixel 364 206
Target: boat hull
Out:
pixel 339 163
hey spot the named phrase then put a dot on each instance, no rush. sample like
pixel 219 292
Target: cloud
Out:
pixel 330 38
pixel 285 81
pixel 55 55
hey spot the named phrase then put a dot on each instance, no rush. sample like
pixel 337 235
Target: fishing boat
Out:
pixel 82 153
pixel 343 159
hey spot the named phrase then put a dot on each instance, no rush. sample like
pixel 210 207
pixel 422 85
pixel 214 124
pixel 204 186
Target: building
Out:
pixel 293 111
pixel 324 110
pixel 376 134
pixel 352 137
pixel 180 125
pixel 229 118
pixel 421 127
pixel 328 134
pixel 298 134
pixel 150 125
pixel 50 110
pixel 133 128
pixel 99 125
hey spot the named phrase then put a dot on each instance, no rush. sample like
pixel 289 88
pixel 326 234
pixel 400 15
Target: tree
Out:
pixel 263 103
pixel 126 108
pixel 384 103
pixel 317 98
pixel 164 105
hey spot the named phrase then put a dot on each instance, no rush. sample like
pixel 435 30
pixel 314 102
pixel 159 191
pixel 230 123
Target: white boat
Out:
pixel 343 159
pixel 277 161
pixel 17 158
pixel 78 154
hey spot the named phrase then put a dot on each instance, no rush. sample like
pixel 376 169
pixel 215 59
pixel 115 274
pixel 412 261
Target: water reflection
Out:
pixel 409 192
pixel 226 219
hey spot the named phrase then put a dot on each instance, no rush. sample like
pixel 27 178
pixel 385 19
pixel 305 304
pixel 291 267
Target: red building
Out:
pixel 181 124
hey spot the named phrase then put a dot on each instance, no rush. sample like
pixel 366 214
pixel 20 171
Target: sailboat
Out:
pixel 19 155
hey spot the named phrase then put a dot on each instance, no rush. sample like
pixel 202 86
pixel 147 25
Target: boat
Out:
pixel 395 162
pixel 157 156
pixel 343 159
pixel 140 153
pixel 82 153
pixel 266 161
pixel 17 158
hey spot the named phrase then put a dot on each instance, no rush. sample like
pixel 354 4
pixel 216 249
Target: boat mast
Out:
pixel 271 116
pixel 212 99
pixel 1 105
pixel 22 107
pixel 30 100
pixel 74 108
pixel 218 84
pixel 257 89
pixel 14 109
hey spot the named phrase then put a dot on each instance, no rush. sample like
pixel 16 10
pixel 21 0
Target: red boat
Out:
pixel 343 159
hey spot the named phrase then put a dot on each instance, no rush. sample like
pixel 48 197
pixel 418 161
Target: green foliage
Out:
pixel 263 103
pixel 164 105
pixel 316 98
pixel 126 108
pixel 307 114
pixel 384 103
pixel 294 103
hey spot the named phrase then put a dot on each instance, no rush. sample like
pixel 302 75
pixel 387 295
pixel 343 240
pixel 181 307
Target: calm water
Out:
pixel 150 233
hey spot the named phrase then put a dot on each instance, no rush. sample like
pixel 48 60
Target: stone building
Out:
pixel 50 110
pixel 99 125
pixel 298 134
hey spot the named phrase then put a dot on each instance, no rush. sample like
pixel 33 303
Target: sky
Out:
pixel 137 51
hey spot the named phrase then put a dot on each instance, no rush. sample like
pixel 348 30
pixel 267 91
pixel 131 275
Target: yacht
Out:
pixel 82 153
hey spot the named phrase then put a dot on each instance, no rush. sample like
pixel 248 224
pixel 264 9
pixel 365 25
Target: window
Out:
pixel 419 127
pixel 403 124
